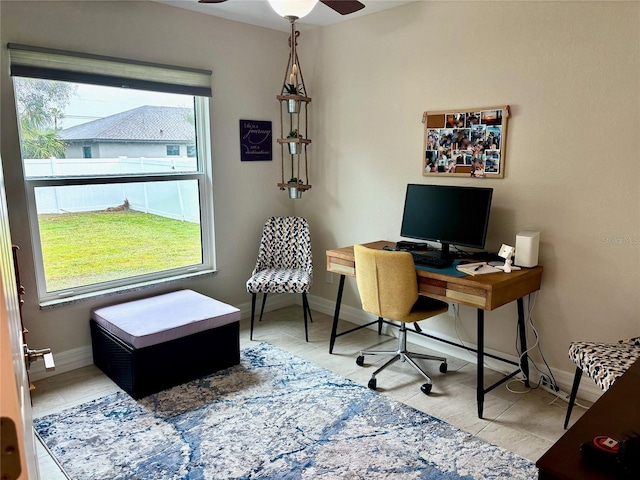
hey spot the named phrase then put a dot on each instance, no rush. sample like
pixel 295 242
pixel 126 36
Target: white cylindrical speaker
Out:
pixel 527 246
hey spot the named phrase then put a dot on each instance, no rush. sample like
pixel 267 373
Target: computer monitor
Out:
pixel 451 215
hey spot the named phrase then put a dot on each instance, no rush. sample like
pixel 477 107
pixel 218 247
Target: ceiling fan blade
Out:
pixel 211 1
pixel 344 7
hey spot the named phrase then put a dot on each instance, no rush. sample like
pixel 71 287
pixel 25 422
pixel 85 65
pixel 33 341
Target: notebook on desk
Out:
pixel 478 268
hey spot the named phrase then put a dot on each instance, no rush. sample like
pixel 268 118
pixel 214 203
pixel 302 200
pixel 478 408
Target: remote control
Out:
pixel 601 451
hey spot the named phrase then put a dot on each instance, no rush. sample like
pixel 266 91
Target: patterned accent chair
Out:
pixel 284 264
pixel 604 363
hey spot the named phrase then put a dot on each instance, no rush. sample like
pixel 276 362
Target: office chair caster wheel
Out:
pixel 372 384
pixel 443 368
pixel 360 360
pixel 426 388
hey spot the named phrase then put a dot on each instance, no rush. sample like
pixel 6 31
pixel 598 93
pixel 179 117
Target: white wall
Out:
pixel 569 70
pixel 247 64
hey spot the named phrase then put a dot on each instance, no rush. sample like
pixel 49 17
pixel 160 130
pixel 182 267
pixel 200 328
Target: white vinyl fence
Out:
pixel 173 199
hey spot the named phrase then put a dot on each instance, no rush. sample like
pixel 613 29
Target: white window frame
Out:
pixel 203 175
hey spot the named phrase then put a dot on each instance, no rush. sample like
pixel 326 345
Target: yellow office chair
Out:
pixel 388 288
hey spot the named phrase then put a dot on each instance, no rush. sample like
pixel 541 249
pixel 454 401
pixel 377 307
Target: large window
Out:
pixel 127 210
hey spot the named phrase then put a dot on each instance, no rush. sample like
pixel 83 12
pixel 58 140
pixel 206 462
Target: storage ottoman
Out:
pixel 155 343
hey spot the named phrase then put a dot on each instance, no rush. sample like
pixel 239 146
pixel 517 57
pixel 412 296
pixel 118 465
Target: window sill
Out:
pixel 60 302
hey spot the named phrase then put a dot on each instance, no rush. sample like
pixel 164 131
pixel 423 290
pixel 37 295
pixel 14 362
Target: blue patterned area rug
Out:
pixel 274 416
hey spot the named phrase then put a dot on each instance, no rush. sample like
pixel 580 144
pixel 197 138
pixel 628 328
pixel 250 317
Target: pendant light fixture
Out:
pixel 293 8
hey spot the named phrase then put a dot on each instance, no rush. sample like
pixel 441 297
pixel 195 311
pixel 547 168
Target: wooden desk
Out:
pixel 483 292
pixel 614 413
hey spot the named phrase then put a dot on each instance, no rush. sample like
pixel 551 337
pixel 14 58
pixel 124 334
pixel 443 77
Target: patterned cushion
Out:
pixel 279 280
pixel 284 263
pixel 604 363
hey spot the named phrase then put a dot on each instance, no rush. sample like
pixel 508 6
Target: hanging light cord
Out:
pixel 292 40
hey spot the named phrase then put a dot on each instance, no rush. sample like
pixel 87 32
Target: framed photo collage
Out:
pixel 468 142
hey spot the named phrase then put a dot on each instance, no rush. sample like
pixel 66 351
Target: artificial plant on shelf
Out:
pixel 293 146
pixel 293 190
pixel 291 88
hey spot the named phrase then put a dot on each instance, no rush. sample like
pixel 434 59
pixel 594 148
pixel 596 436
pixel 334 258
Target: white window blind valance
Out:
pixel 38 62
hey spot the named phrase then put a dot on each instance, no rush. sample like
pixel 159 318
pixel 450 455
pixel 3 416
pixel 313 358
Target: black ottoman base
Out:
pixel 143 371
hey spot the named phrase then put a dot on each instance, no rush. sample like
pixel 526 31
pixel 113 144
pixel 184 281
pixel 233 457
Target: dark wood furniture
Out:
pixel 483 292
pixel 616 412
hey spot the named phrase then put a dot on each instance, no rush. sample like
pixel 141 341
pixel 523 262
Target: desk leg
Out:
pixel 336 315
pixel 480 360
pixel 524 361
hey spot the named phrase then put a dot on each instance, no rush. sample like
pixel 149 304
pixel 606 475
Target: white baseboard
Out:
pixel 81 357
pixel 65 362
pixel 274 302
pixel 588 390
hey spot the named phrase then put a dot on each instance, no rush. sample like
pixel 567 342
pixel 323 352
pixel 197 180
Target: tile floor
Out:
pixel 526 423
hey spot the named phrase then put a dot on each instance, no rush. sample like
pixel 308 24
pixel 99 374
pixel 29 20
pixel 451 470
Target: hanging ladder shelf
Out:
pixel 301 98
pixel 294 148
pixel 294 120
pixel 294 140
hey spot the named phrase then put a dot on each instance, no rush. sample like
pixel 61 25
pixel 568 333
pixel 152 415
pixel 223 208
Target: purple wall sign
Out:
pixel 255 140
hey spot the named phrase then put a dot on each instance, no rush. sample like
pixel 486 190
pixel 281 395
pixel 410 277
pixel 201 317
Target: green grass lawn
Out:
pixel 87 248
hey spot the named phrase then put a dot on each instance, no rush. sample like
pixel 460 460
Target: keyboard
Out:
pixel 427 260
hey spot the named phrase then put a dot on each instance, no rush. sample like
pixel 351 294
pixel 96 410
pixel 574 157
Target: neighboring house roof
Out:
pixel 146 124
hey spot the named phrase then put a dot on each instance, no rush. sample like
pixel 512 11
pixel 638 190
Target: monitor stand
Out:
pixel 423 247
pixel 444 252
pixel 411 246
